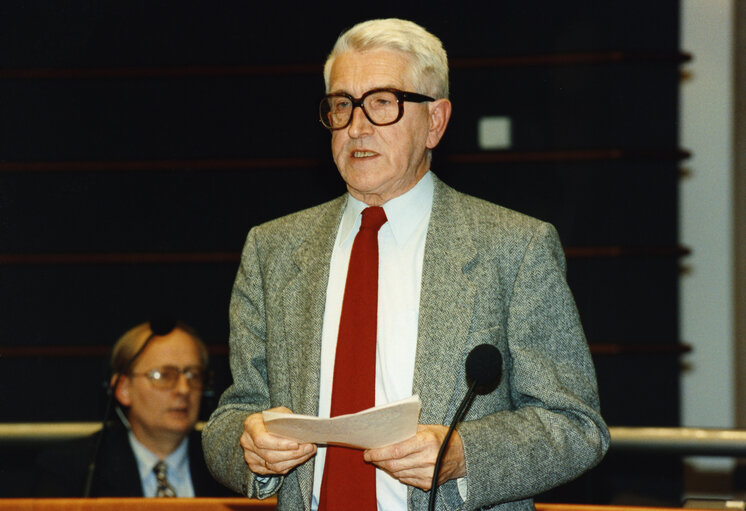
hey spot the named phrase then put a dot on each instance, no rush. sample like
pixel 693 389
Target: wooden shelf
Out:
pixel 250 164
pixel 569 155
pixel 42 259
pixel 610 251
pixel 67 351
pixel 160 165
pixel 562 59
pixel 672 349
pixel 569 59
pixel 120 258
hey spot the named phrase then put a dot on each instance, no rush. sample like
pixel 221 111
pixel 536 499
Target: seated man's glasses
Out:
pixel 381 106
pixel 166 377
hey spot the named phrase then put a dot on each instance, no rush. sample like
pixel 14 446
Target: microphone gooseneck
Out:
pixel 483 371
pixel 159 326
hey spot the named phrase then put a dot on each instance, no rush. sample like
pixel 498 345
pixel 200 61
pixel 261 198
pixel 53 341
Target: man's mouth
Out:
pixel 362 154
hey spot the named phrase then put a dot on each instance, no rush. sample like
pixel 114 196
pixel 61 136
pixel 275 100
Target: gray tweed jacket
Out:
pixel 491 275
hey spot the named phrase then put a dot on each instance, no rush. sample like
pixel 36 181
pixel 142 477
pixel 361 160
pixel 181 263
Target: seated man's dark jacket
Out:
pixel 61 471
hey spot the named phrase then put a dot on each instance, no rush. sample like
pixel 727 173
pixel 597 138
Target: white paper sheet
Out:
pixel 374 427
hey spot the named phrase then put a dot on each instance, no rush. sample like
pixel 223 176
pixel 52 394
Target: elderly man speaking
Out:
pixel 381 294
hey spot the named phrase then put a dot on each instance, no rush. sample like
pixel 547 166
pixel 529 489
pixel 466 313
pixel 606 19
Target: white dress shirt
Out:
pixel 401 249
pixel 177 473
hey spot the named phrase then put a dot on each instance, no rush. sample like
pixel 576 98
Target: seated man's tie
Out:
pixel 164 487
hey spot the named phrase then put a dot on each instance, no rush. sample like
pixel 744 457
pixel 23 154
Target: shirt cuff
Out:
pixel 461 484
pixel 266 486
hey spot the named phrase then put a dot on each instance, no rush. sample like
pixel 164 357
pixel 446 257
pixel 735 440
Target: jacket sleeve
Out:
pixel 551 430
pixel 249 392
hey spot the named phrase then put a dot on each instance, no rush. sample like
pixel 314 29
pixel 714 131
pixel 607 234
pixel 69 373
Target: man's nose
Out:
pixel 359 124
pixel 182 384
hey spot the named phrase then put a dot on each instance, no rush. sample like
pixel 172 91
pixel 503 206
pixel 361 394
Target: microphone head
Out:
pixel 162 324
pixel 484 366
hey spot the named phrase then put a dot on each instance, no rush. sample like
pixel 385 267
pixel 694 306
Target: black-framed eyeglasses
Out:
pixel 166 377
pixel 381 106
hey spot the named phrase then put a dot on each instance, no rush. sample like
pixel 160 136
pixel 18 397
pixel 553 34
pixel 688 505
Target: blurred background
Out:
pixel 140 141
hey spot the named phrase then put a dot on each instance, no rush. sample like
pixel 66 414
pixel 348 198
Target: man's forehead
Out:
pixel 173 349
pixel 356 72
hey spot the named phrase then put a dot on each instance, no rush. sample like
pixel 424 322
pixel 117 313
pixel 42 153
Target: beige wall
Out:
pixel 707 201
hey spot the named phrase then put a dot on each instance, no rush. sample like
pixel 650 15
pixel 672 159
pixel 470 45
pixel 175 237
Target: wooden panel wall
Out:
pixel 140 141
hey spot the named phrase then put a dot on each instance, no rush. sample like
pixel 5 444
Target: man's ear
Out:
pixel 440 114
pixel 122 392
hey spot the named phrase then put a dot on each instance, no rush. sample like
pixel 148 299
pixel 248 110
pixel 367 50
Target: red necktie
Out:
pixel 348 482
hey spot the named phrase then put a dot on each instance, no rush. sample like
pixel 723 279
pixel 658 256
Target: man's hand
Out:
pixel 268 454
pixel 412 461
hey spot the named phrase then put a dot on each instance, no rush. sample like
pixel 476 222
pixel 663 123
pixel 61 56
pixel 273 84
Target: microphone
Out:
pixel 159 325
pixel 483 371
pixel 484 367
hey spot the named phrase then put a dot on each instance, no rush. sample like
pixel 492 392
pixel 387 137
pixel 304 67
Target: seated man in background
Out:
pixel 152 449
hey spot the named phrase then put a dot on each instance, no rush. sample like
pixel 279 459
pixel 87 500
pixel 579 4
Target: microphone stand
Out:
pixel 483 370
pixel 465 403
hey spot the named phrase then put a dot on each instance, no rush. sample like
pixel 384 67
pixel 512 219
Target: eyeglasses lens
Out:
pixel 167 377
pixel 381 107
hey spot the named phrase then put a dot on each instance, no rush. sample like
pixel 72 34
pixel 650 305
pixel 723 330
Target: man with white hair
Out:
pixel 326 320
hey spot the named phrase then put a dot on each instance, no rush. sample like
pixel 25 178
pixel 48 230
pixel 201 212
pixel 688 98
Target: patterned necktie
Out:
pixel 348 482
pixel 164 488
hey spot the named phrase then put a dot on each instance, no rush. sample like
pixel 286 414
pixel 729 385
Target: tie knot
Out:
pixel 373 218
pixel 160 468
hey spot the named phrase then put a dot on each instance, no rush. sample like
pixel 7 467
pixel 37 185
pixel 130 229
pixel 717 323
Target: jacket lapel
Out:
pixel 119 474
pixel 304 299
pixel 446 306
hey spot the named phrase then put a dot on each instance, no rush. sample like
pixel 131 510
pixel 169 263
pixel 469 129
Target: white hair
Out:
pixel 429 62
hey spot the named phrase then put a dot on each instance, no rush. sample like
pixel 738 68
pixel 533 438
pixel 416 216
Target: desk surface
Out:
pixel 230 504
pixel 133 504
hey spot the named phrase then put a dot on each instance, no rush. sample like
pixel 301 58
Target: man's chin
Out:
pixel 180 423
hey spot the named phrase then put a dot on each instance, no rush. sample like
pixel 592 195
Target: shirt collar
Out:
pixel 403 213
pixel 146 460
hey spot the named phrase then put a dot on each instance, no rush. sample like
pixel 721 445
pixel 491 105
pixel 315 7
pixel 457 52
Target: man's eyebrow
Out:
pixel 378 87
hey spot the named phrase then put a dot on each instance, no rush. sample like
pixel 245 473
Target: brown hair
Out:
pixel 133 339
